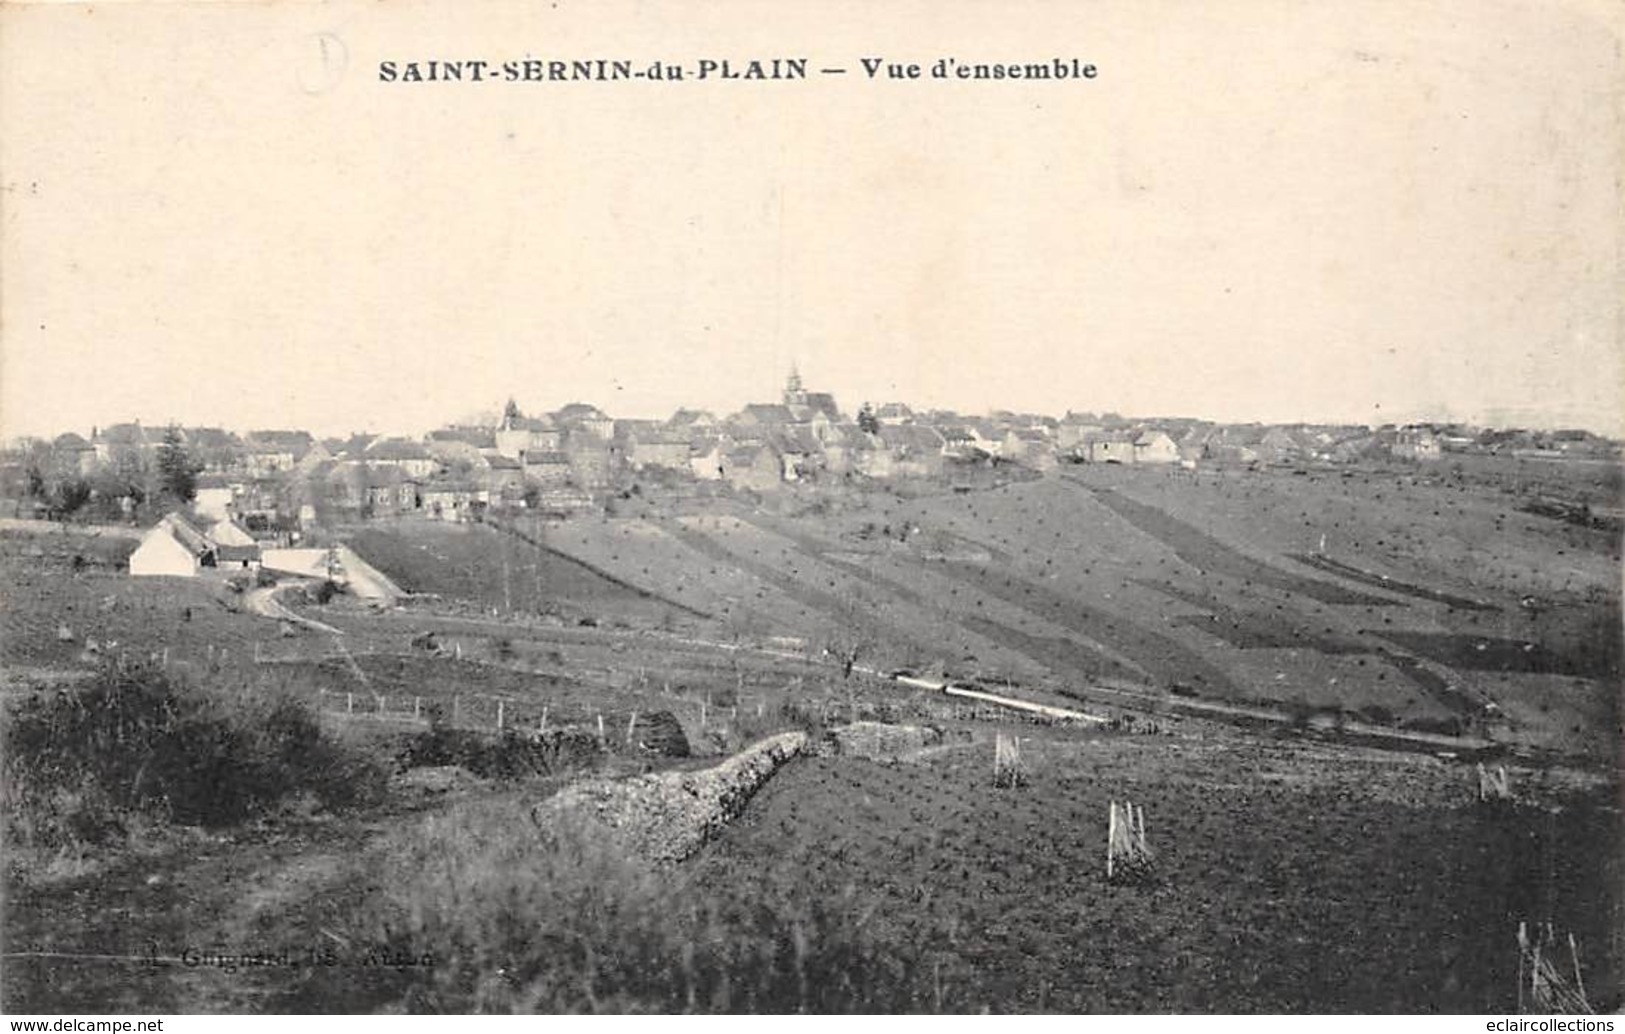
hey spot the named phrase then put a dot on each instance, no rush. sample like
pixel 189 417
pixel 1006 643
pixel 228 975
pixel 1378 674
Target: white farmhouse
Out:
pixel 174 548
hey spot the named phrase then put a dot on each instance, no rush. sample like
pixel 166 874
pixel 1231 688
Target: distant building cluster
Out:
pixel 571 460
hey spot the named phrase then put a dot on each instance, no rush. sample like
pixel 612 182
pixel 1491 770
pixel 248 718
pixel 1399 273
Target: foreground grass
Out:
pixel 483 910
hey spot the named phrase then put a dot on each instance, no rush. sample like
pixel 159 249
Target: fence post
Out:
pixel 381 705
pixel 630 726
pixel 456 709
pixel 600 728
pixel 417 708
pixel 542 729
pixel 349 703
pixel 499 715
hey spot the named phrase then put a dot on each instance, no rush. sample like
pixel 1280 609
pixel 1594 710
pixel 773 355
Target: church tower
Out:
pixel 794 393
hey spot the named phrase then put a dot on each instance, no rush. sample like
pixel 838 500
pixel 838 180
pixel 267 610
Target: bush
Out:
pixel 81 766
pixel 509 756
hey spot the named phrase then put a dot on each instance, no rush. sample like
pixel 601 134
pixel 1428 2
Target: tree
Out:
pixel 70 495
pixel 177 474
pixel 867 421
pixel 511 414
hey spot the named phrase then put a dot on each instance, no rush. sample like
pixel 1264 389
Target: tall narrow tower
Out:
pixel 794 394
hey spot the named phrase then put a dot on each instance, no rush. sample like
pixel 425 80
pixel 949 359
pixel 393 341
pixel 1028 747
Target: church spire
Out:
pixel 794 395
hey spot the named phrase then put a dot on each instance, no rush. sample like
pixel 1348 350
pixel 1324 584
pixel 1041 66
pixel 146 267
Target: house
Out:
pixel 1279 445
pixel 266 453
pixel 391 491
pixel 579 416
pixel 800 450
pixel 462 447
pixel 520 436
pixel 562 501
pixel 985 435
pixel 1032 448
pixel 894 413
pixel 1237 443
pixel 1024 444
pixel 226 532
pixel 238 557
pixel 214 497
pixel 1419 444
pixel 1155 447
pixel 758 468
pixel 820 403
pixel 547 469
pixel 351 448
pixel 959 443
pixel 1110 447
pixel 692 420
pixel 411 457
pixel 658 447
pixel 914 451
pixel 848 450
pixel 592 464
pixel 174 548
pixel 124 441
pixel 504 480
pixel 314 457
pixel 1072 432
pixel 454 500
pixel 218 451
pixel 705 455
pixel 765 415
pixel 1193 444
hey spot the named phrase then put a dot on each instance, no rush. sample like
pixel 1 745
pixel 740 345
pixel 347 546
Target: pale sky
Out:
pixel 1261 210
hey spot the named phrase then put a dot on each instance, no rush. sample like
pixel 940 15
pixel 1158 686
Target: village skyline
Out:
pixel 488 413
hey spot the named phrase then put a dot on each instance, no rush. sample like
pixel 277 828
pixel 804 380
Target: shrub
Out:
pixel 508 756
pixel 81 765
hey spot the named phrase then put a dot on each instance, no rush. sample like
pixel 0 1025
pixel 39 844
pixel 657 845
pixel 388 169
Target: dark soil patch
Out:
pixel 1480 653
pixel 1355 574
pixel 1202 550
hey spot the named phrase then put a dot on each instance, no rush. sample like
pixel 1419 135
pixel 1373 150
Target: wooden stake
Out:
pixel 499 716
pixel 1523 945
pixel 349 703
pixel 1111 838
pixel 630 726
pixel 542 729
pixel 1574 954
pixel 417 708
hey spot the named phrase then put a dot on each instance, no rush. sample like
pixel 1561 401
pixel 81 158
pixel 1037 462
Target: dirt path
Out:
pixel 264 603
pixel 365 580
